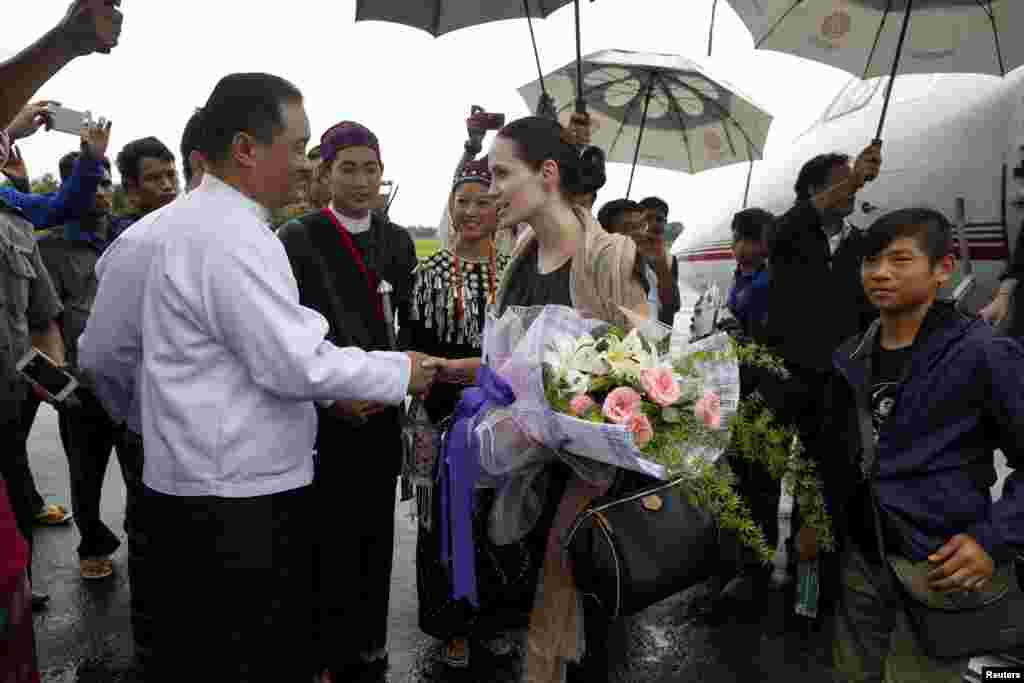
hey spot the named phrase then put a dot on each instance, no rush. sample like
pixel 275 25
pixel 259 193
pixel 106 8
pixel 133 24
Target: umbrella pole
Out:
pixel 895 68
pixel 711 30
pixel 533 39
pixel 640 138
pixel 750 174
pixel 581 106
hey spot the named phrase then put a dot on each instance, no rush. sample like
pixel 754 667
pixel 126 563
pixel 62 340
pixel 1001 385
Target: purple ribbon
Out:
pixel 458 478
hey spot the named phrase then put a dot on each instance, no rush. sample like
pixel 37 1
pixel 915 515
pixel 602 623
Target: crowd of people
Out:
pixel 232 377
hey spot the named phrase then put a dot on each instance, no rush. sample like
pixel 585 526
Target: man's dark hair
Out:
pixel 930 228
pixel 190 142
pixel 752 224
pixel 815 173
pixel 66 165
pixel 314 154
pixel 250 103
pixel 612 212
pixel 655 203
pixel 129 159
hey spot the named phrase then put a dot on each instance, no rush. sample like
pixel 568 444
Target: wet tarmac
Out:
pixel 84 636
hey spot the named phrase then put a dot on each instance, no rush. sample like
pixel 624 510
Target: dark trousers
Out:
pixel 354 568
pixel 89 435
pixel 13 469
pixel 29 410
pixel 221 588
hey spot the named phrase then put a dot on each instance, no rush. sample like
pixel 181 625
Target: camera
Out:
pixel 481 119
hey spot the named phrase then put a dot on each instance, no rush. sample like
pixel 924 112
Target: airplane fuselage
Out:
pixel 946 137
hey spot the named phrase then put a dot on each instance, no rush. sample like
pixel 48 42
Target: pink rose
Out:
pixel 641 429
pixel 709 410
pixel 581 405
pixel 661 386
pixel 621 405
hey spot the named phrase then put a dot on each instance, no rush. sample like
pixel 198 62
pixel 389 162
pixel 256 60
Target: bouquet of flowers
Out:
pixel 645 400
pixel 667 407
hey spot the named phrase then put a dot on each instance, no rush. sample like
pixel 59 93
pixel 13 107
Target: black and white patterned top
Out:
pixel 434 297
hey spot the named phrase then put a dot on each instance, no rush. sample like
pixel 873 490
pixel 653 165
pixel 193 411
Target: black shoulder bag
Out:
pixel 955 624
pixel 631 550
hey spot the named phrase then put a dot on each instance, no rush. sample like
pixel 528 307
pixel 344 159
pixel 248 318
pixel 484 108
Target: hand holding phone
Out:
pixel 30 119
pixel 45 375
pixel 66 120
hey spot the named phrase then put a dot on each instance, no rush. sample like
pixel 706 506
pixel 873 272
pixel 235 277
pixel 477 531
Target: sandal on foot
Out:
pixel 94 568
pixel 53 515
pixel 455 657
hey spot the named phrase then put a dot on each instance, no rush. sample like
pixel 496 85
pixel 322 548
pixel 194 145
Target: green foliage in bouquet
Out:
pixel 756 437
pixel 678 435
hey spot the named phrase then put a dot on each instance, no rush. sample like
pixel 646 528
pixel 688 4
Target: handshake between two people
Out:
pixel 424 372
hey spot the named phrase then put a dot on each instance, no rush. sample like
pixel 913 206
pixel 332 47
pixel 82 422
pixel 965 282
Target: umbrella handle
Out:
pixel 876 141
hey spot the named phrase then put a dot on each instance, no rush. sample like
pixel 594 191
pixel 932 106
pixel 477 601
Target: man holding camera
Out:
pixel 75 196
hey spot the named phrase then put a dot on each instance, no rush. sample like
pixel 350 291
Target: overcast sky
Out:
pixel 413 90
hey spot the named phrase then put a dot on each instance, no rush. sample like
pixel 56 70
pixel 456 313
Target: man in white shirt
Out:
pixel 197 333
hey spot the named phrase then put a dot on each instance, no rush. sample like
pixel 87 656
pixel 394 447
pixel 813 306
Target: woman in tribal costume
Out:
pixel 452 292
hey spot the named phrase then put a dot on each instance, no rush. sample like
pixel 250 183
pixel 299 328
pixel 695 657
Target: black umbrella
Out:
pixel 439 17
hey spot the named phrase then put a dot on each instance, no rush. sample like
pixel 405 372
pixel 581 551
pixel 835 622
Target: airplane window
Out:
pixel 854 96
pixel 858 93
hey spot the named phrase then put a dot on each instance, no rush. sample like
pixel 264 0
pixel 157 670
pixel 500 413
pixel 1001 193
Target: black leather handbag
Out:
pixel 631 550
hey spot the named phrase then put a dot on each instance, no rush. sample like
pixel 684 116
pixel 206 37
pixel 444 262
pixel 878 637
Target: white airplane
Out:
pixel 947 137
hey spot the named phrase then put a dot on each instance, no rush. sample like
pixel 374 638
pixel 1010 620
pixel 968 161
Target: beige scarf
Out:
pixel 602 280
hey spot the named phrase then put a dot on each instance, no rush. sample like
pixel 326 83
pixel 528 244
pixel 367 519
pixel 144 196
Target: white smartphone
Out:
pixel 67 120
pixel 39 368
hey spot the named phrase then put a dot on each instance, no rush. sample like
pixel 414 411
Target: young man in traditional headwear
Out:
pixel 340 255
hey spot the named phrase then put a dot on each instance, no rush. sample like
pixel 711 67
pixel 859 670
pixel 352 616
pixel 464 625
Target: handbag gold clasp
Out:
pixel 653 502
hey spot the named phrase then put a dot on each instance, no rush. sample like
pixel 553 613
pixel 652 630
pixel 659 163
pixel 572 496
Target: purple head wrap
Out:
pixel 347 134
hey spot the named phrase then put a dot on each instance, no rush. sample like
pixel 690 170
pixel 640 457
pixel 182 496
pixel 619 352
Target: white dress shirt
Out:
pixel 198 320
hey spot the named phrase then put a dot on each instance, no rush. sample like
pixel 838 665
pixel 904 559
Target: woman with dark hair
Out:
pixel 566 259
pixel 451 295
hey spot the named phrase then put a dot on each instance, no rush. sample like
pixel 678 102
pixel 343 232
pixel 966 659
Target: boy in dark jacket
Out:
pixel 937 393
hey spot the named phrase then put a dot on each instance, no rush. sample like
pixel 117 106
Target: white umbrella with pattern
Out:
pixel 658 110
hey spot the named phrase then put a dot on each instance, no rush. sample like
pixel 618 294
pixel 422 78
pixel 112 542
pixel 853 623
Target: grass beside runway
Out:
pixel 426 248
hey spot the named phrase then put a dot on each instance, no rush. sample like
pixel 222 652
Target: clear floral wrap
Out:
pixel 516 442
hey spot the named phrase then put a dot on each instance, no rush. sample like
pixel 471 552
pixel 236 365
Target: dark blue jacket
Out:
pixel 962 399
pixel 748 300
pixel 72 201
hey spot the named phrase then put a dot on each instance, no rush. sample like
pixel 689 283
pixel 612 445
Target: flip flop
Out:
pixel 93 569
pixel 53 515
pixel 455 661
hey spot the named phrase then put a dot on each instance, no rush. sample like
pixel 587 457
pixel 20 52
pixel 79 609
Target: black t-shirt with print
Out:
pixel 889 366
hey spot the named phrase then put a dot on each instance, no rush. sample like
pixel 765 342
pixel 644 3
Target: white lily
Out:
pixel 574 360
pixel 627 357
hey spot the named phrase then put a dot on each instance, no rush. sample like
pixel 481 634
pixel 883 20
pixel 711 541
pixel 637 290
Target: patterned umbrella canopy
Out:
pixel 863 36
pixel 659 110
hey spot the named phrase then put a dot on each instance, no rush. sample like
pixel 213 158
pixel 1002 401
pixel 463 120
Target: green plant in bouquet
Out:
pixel 676 421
